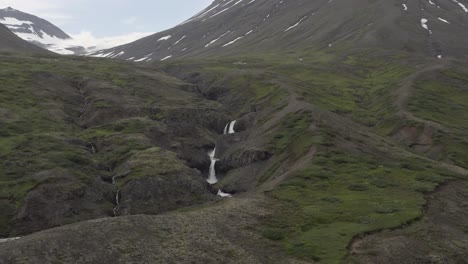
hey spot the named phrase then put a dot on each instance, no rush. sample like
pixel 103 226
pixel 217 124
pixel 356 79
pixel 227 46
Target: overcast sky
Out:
pixel 109 19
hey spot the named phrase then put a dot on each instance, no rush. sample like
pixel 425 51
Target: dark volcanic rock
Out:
pixel 62 200
pixel 242 158
pixel 155 195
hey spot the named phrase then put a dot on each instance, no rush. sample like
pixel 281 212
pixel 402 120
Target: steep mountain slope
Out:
pixel 38 31
pixel 11 42
pixel 354 153
pixel 432 28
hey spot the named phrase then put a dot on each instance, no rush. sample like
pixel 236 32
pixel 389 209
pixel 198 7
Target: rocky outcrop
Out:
pixel 158 194
pixel 185 121
pixel 62 199
pixel 242 158
pixel 420 139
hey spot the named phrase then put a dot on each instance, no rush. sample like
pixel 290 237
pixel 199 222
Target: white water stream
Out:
pixel 223 194
pixel 229 128
pixel 212 176
pixel 212 179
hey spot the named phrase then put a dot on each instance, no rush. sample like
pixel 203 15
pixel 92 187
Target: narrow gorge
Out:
pixel 212 178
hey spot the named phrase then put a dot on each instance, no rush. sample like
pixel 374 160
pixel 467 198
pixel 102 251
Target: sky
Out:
pixel 116 21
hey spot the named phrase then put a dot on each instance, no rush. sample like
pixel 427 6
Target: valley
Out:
pixel 295 152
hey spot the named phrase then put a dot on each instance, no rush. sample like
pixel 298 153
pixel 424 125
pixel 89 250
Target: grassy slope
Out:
pixel 358 182
pixel 347 191
pixel 41 130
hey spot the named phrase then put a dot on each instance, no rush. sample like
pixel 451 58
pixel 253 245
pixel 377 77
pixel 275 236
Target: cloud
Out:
pixel 87 39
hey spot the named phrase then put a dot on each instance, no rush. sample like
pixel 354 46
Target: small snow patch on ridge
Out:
pixel 232 42
pixel 177 42
pixel 165 38
pixel 214 40
pixel 295 25
pixel 166 58
pixel 461 5
pixel 424 25
pixel 443 20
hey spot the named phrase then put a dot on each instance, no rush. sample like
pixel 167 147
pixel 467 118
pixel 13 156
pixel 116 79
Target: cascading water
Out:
pixel 212 176
pixel 212 179
pixel 231 127
pixel 223 194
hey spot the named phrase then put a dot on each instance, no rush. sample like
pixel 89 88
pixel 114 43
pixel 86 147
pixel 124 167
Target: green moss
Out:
pixel 152 162
pixel 335 199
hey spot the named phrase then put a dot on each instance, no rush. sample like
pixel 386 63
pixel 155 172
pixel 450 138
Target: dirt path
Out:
pixel 297 166
pixel 407 88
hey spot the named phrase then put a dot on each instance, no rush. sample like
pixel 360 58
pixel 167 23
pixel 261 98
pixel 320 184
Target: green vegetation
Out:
pixel 443 98
pixel 53 110
pixel 145 163
pixel 341 195
pixel 292 139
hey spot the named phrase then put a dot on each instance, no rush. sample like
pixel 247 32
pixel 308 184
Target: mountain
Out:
pixel 11 42
pixel 262 151
pixel 432 28
pixel 38 31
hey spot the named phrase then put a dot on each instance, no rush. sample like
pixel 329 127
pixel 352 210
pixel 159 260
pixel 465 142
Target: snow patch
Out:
pixel 297 24
pixel 165 38
pixel 166 58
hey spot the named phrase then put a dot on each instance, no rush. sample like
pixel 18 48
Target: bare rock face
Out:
pixel 242 158
pixel 155 195
pixel 61 200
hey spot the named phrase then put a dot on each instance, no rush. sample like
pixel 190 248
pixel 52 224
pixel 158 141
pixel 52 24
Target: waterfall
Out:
pixel 229 128
pixel 212 177
pixel 223 194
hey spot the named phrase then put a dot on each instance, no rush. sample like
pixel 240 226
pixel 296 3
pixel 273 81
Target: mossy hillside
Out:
pixel 442 98
pixel 292 138
pixel 247 88
pixel 41 99
pixel 341 195
pixel 144 164
pixel 359 87
pixel 237 82
pixel 359 84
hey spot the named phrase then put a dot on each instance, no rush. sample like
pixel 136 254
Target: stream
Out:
pixel 212 179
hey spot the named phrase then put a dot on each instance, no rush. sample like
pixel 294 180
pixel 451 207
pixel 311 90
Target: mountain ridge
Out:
pixel 38 31
pixel 234 27
pixel 10 42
